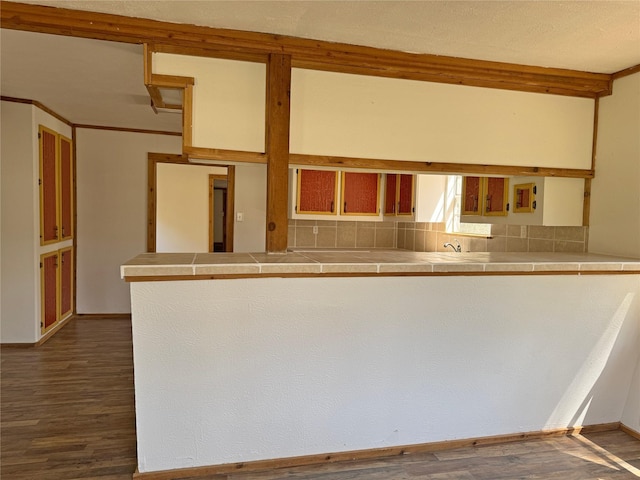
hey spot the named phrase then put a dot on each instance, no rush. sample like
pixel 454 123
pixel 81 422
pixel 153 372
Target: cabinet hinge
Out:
pixel 41 265
pixel 39 181
pixel 39 135
pixel 507 207
pixel 41 324
pixel 297 170
pixel 296 208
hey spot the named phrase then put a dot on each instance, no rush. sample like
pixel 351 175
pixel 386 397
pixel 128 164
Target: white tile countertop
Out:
pixel 185 266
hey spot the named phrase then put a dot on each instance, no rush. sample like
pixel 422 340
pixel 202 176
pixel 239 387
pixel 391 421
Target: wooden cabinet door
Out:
pixel 317 191
pixel 49 287
pixel 66 281
pixel 405 195
pixel 48 186
pixel 472 195
pixel 66 189
pixel 496 196
pixel 390 195
pixel 360 193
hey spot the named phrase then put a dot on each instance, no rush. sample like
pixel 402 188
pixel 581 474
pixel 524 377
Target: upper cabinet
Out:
pixel 56 187
pixel 317 190
pixel 399 194
pixel 485 196
pixel 360 193
pixel 496 198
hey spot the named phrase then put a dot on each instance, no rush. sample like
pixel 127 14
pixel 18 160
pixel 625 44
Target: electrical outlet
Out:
pixel 240 216
pixel 315 229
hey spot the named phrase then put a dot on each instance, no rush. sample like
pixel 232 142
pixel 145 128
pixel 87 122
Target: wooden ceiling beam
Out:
pixel 301 160
pixel 305 53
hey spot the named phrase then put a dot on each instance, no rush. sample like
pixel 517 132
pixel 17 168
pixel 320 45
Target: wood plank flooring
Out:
pixel 67 413
pixel 67 408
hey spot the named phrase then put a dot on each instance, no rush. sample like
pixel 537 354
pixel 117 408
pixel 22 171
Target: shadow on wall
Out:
pixel 593 388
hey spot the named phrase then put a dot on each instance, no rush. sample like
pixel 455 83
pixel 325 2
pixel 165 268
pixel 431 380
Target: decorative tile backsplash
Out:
pixel 431 237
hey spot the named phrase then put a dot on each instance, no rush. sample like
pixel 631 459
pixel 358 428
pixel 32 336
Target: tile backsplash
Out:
pixel 431 237
pixel 341 234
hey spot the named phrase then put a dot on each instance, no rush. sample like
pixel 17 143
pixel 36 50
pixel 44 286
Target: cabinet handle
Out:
pixel 488 204
pixel 331 206
pixel 345 207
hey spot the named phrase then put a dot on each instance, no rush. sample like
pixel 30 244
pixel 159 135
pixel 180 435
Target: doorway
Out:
pixel 219 238
pixel 173 218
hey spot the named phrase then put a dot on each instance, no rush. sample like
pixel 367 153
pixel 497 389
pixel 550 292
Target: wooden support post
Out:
pixel 277 150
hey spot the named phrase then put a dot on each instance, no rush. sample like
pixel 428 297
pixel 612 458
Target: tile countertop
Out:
pixel 369 262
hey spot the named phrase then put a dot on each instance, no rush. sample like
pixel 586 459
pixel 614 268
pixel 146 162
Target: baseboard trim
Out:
pixel 103 316
pixel 306 460
pixel 54 330
pixel 630 431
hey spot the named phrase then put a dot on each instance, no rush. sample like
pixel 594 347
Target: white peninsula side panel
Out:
pixel 247 369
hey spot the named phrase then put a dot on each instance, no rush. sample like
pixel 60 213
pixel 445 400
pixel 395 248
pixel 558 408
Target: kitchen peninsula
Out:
pixel 246 360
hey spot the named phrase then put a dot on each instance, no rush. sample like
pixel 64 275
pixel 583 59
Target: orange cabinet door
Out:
pixel 496 196
pixel 405 195
pixel 66 281
pixel 317 191
pixel 48 187
pixel 49 286
pixel 66 189
pixel 472 195
pixel 360 193
pixel 390 194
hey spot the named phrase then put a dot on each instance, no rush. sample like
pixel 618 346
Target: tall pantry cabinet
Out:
pixel 37 222
pixel 55 184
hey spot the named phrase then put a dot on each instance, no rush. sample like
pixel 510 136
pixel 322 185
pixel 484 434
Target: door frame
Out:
pixel 152 195
pixel 228 212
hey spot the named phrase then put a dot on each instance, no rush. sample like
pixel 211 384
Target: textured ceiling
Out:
pixel 100 83
pixel 596 36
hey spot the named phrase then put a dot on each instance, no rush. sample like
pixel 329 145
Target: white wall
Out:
pixel 112 211
pixel 251 200
pixel 430 198
pixel 182 208
pixel 375 117
pixel 19 227
pixel 21 250
pixel 228 99
pixel 615 192
pixel 341 365
pixel 563 201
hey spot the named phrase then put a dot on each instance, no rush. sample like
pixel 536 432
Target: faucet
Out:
pixel 455 248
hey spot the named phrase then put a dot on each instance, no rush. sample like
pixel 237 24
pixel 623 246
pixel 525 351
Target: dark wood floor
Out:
pixel 67 413
pixel 67 406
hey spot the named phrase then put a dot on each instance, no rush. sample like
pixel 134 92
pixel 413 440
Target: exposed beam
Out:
pixel 278 112
pixel 305 53
pixel 236 156
pixel 432 167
